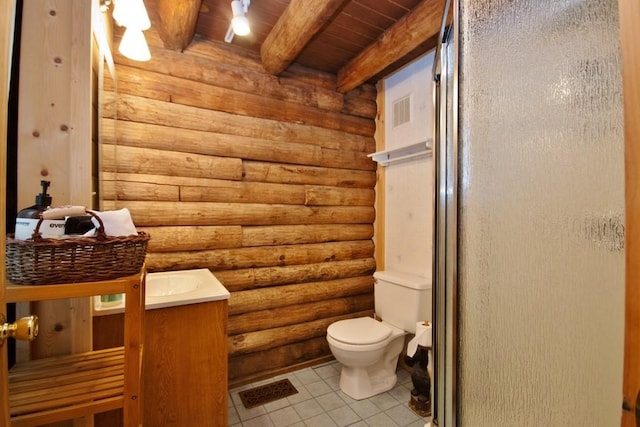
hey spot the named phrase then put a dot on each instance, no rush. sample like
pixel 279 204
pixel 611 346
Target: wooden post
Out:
pixel 55 138
pixel 7 16
pixel 630 39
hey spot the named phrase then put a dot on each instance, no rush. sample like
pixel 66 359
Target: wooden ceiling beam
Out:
pixel 404 36
pixel 177 22
pixel 300 21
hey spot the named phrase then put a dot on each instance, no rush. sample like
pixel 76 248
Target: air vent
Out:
pixel 402 111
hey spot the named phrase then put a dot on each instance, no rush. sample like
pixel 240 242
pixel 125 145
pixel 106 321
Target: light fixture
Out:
pixel 131 14
pixel 134 46
pixel 239 22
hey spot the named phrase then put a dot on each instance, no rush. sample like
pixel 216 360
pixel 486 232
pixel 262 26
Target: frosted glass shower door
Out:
pixel 540 206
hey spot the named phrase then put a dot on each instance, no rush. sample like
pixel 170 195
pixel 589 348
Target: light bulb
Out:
pixel 131 14
pixel 134 46
pixel 239 23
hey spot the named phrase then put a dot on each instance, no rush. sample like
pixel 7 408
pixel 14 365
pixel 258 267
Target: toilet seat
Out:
pixel 359 331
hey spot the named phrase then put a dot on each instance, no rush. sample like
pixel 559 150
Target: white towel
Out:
pixel 63 211
pixel 116 223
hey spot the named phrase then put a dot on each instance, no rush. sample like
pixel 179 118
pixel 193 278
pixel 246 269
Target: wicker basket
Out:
pixel 43 261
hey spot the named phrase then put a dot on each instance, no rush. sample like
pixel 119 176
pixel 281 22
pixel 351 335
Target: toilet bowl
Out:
pixel 368 351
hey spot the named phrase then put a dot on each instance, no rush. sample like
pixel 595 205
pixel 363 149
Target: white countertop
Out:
pixel 170 289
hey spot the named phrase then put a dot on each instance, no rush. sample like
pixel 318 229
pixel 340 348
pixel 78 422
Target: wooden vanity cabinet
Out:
pixel 185 364
pixel 66 387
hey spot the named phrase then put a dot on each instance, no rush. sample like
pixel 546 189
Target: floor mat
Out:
pixel 267 393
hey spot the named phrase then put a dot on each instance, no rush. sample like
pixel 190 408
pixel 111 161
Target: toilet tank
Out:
pixel 402 299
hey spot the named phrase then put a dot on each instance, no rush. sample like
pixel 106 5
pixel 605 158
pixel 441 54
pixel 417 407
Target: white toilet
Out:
pixel 368 349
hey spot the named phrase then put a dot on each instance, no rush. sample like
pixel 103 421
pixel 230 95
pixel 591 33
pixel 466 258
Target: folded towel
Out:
pixel 63 211
pixel 116 223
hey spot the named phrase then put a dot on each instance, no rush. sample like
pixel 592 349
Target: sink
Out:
pixel 174 288
pixel 172 284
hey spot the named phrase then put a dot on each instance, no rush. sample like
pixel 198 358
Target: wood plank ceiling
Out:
pixel 357 40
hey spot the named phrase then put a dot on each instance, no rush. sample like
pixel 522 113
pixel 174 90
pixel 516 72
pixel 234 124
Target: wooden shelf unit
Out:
pixel 60 388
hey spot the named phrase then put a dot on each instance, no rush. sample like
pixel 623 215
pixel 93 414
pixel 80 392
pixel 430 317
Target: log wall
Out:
pixel 264 180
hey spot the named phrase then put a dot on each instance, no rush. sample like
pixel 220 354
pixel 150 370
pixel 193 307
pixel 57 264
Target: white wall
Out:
pixel 409 183
pixel 413 81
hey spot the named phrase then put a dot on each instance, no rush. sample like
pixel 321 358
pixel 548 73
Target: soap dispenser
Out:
pixel 28 218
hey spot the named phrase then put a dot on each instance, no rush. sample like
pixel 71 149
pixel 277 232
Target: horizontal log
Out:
pixel 173 163
pixel 217 190
pixel 309 75
pixel 263 256
pixel 252 342
pixel 298 234
pixel 192 238
pixel 200 47
pixel 364 91
pixel 282 296
pixel 299 313
pixel 316 78
pixel 155 179
pixel 249 60
pixel 137 109
pixel 252 278
pixel 225 73
pixel 280 175
pixel 150 84
pixel 333 196
pixel 298 174
pixel 259 235
pixel 148 214
pixel 266 364
pixel 257 192
pixel 347 159
pixel 245 192
pixel 112 189
pixel 352 154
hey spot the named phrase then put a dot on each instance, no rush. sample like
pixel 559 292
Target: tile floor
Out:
pixel 320 402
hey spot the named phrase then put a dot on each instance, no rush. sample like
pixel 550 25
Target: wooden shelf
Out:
pixel 59 388
pixel 40 389
pixel 21 293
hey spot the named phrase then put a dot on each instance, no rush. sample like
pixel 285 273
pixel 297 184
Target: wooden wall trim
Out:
pixel 380 181
pixel 629 11
pixel 7 15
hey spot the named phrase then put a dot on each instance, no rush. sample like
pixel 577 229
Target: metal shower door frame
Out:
pixel 445 240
